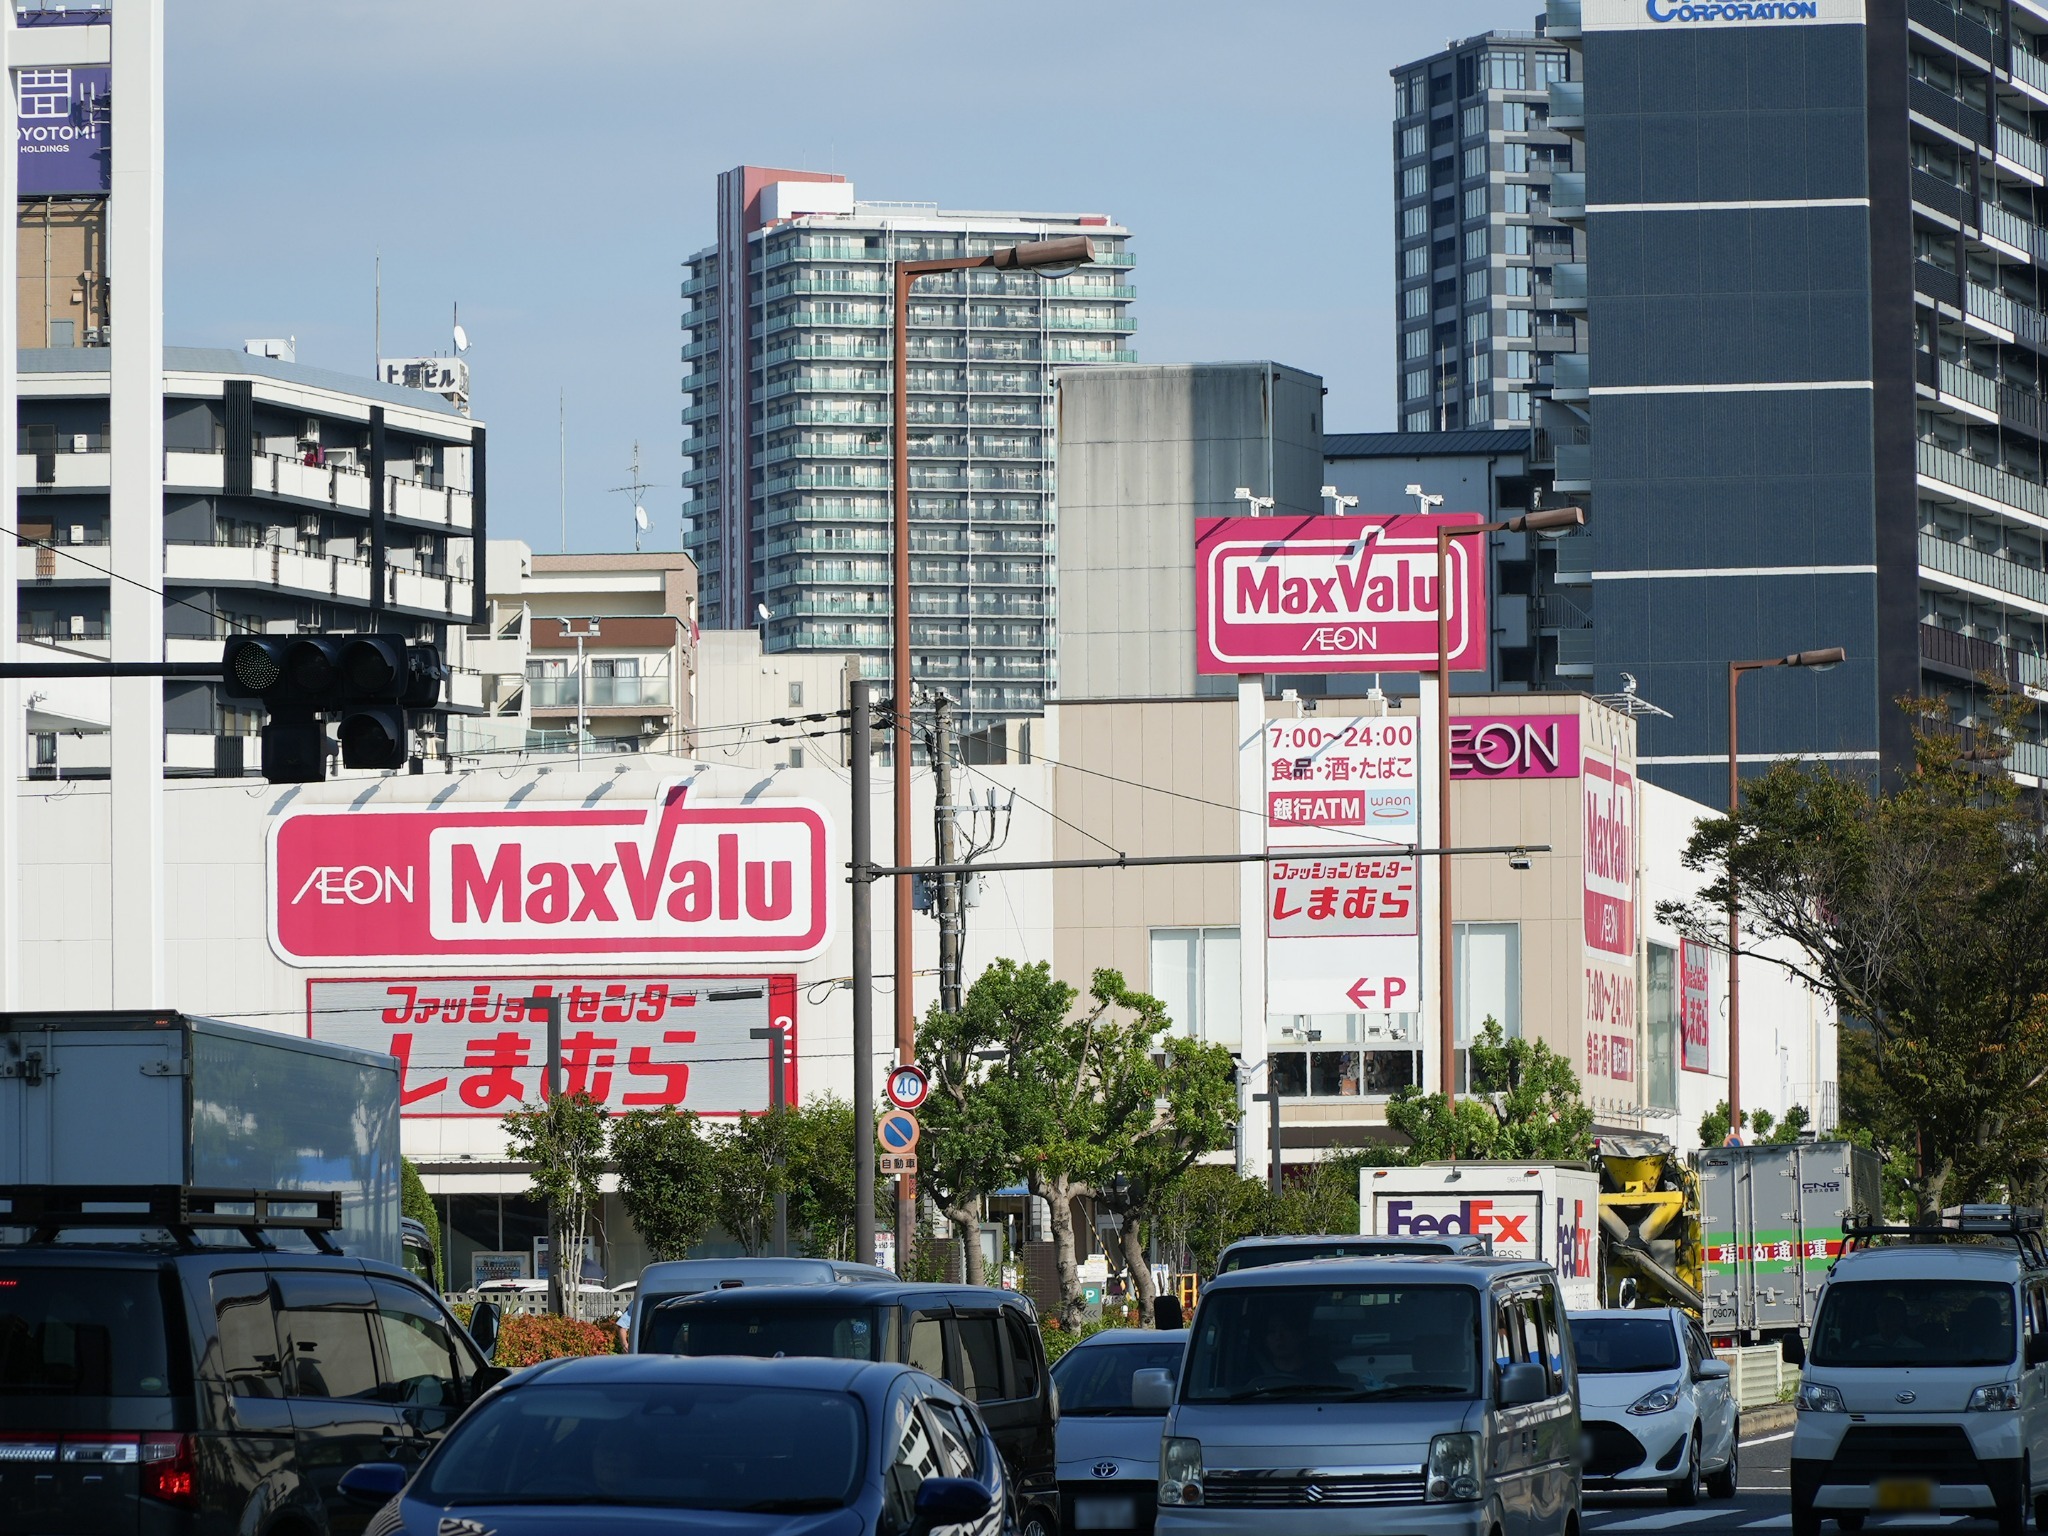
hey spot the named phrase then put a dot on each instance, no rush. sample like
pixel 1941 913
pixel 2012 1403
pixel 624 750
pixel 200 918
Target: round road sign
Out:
pixel 907 1087
pixel 897 1131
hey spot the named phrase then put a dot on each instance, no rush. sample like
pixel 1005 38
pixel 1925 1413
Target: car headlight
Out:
pixel 1818 1397
pixel 1656 1400
pixel 1453 1472
pixel 1180 1471
pixel 1995 1397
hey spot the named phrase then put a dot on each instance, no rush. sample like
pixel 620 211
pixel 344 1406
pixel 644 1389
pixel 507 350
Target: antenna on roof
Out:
pixel 461 336
pixel 637 489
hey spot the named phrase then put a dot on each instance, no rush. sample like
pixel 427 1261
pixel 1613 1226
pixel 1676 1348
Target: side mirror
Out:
pixel 2037 1349
pixel 486 1378
pixel 949 1501
pixel 1711 1370
pixel 1523 1384
pixel 483 1327
pixel 1152 1389
pixel 1794 1350
pixel 373 1482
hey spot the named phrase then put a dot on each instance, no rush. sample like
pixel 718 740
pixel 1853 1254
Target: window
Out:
pixel 248 1334
pixel 1552 66
pixel 1514 159
pixel 1514 239
pixel 1415 140
pixel 1195 974
pixel 1415 181
pixel 1415 344
pixel 1024 1355
pixel 1414 223
pixel 913 1460
pixel 1517 365
pixel 1415 303
pixel 1518 407
pixel 1546 1305
pixel 1417 421
pixel 1488 958
pixel 1415 261
pixel 1475 203
pixel 1476 328
pixel 796 757
pixel 1514 198
pixel 1475 120
pixel 1475 162
pixel 1415 387
pixel 981 1358
pixel 1514 117
pixel 63 333
pixel 325 1332
pixel 1411 95
pixel 1482 367
pixel 951 1433
pixel 1506 72
pixel 1475 244
pixel 1475 287
pixel 1517 285
pixel 425 1372
pixel 927 1346
pixel 1516 323
pixel 1661 1018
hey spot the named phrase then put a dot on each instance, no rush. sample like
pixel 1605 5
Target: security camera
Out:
pixel 1519 859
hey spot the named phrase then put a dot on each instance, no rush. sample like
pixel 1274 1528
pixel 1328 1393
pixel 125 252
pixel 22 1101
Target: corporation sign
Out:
pixel 1334 594
pixel 681 879
pixel 1673 15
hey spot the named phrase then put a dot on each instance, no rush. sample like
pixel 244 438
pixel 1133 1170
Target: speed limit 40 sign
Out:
pixel 908 1087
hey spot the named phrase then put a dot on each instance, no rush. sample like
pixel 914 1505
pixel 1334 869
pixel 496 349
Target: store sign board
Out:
pixel 1332 896
pixel 1608 856
pixel 686 878
pixel 1334 594
pixel 1325 976
pixel 470 1046
pixel 1515 747
pixel 1739 16
pixel 1340 782
pixel 63 143
pixel 1695 1008
pixel 1610 1023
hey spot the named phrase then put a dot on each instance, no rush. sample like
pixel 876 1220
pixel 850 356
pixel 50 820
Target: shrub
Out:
pixel 1059 1340
pixel 528 1340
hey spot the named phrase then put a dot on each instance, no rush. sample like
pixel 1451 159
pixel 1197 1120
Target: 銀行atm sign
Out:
pixel 690 878
pixel 1334 594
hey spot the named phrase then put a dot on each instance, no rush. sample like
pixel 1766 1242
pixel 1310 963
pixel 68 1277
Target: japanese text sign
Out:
pixel 62 142
pixel 1610 1022
pixel 1332 783
pixel 1609 856
pixel 1334 594
pixel 1694 1001
pixel 1341 898
pixel 470 1045
pixel 1515 747
pixel 706 880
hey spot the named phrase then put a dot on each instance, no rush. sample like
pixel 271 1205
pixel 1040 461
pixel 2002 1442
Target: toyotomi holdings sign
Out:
pixel 684 878
pixel 1333 594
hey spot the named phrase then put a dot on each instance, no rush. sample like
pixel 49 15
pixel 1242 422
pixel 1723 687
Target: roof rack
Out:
pixel 182 1209
pixel 2020 1223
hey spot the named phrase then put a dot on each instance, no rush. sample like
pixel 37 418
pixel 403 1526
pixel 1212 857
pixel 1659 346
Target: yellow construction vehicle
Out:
pixel 1649 1224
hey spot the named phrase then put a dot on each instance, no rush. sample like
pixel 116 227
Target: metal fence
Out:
pixel 1759 1376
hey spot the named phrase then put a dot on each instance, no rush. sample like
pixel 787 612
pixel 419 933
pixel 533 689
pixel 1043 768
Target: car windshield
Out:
pixel 1096 1378
pixel 1289 1253
pixel 1888 1324
pixel 671 1445
pixel 81 1333
pixel 1334 1343
pixel 1619 1346
pixel 836 1333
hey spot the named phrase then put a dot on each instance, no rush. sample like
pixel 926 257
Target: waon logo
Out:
pixel 702 879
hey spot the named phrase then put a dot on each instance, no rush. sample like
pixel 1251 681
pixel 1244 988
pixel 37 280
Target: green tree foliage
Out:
pixel 965 1149
pixel 1524 1106
pixel 564 1139
pixel 1918 909
pixel 668 1175
pixel 414 1201
pixel 1207 1210
pixel 1765 1129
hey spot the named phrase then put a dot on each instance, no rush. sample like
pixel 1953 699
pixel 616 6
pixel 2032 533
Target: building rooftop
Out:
pixel 1423 445
pixel 227 360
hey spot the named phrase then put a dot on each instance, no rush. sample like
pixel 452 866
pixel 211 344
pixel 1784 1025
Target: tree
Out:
pixel 1765 1129
pixel 564 1139
pixel 414 1201
pixel 819 1169
pixel 964 1151
pixel 1324 1199
pixel 1523 1106
pixel 1197 1084
pixel 667 1178
pixel 1205 1211
pixel 750 1156
pixel 1918 910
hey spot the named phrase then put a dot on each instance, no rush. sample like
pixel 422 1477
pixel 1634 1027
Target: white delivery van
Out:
pixel 1546 1211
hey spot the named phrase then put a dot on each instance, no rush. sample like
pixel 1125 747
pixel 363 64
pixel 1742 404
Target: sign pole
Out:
pixel 776 1104
pixel 550 1007
pixel 861 853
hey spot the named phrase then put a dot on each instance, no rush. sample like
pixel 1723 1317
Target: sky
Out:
pixel 548 167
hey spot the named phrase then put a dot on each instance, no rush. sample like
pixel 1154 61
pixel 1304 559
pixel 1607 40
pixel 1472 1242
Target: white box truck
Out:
pixel 165 1098
pixel 1547 1211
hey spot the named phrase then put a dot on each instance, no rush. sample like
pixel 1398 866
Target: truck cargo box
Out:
pixel 1547 1211
pixel 1771 1225
pixel 131 1098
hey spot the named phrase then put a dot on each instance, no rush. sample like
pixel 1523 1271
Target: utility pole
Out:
pixel 777 1103
pixel 946 889
pixel 549 1006
pixel 861 854
pixel 1271 1099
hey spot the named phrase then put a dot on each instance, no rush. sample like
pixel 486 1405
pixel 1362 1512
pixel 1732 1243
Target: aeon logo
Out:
pixel 1736 10
pixel 361 885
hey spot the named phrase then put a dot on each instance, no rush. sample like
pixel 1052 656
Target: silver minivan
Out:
pixel 1441 1391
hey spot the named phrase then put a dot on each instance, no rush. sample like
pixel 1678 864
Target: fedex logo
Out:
pixel 1574 1241
pixel 1508 1227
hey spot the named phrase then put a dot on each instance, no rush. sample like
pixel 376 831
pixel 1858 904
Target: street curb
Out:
pixel 1768 1420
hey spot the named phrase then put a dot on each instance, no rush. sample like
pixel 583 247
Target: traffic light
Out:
pixel 367 681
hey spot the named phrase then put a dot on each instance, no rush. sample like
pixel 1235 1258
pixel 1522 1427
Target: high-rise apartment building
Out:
pixel 787 426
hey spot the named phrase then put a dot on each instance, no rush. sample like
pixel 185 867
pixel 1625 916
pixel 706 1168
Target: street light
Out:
pixel 1338 501
pixel 589 631
pixel 1819 661
pixel 1258 503
pixel 1551 520
pixel 1069 251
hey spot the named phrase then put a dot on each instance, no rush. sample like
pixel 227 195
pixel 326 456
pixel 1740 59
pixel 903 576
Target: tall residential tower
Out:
pixel 787 427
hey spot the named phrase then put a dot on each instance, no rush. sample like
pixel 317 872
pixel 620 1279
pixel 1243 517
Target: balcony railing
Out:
pixel 1569 381
pixel 2025 66
pixel 1986 570
pixel 598 692
pixel 1574 463
pixel 2021 150
pixel 1561 18
pixel 1968 384
pixel 1568 195
pixel 1980 479
pixel 1567 103
pixel 1990 304
pixel 1961 653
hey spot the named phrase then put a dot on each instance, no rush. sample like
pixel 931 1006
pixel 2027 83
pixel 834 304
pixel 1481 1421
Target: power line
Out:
pixel 1055 815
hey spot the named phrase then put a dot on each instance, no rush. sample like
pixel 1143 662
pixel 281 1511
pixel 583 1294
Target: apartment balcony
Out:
pixel 1575 653
pixel 1569 379
pixel 430 506
pixel 1943 650
pixel 1968 385
pixel 2029 68
pixel 703 346
pixel 1943 469
pixel 1568 196
pixel 595 693
pixel 438 597
pixel 1557 338
pixel 1981 569
pixel 1568 286
pixel 1574 467
pixel 2019 152
pixel 1992 308
pixel 278 570
pixel 2009 229
pixel 1561 19
pixel 63 471
pixel 1568 105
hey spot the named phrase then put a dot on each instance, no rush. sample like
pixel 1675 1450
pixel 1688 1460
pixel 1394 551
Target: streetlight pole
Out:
pixel 1072 251
pixel 590 631
pixel 1553 520
pixel 778 1071
pixel 1820 661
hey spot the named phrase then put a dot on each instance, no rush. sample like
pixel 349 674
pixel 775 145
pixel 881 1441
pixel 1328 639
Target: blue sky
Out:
pixel 548 166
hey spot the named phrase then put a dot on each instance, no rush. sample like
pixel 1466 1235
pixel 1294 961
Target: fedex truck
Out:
pixel 1546 1211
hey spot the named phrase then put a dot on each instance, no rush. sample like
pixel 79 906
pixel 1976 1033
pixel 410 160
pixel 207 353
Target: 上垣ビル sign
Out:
pixel 471 1045
pixel 702 880
pixel 1334 594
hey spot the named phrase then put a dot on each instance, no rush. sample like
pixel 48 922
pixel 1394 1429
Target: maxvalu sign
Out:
pixel 683 878
pixel 1617 15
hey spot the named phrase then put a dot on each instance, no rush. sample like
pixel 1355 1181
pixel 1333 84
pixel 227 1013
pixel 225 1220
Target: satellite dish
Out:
pixel 640 517
pixel 761 609
pixel 461 338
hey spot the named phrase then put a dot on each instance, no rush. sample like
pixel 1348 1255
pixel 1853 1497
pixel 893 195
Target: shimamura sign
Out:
pixel 1333 594
pixel 706 880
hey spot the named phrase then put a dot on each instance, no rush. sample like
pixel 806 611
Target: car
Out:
pixel 1435 1396
pixel 174 1385
pixel 983 1341
pixel 672 1278
pixel 1925 1384
pixel 1656 1409
pixel 1251 1252
pixel 1108 1444
pixel 635 1443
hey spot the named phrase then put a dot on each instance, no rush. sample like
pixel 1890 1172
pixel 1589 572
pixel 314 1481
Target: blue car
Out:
pixel 647 1443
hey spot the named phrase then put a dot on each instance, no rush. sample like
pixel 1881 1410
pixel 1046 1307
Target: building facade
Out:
pixel 787 429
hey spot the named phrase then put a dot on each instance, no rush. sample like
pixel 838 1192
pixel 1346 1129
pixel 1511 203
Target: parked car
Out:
pixel 165 1386
pixel 1438 1393
pixel 1252 1252
pixel 601 1443
pixel 688 1277
pixel 983 1341
pixel 1656 1409
pixel 1108 1443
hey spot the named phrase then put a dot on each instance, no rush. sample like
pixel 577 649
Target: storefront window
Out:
pixel 1661 1019
pixel 1488 957
pixel 1194 973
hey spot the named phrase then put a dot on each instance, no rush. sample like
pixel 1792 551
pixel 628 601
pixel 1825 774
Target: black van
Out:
pixel 984 1341
pixel 175 1386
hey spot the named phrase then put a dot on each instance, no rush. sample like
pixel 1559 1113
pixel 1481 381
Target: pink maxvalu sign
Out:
pixel 1334 594
pixel 1515 747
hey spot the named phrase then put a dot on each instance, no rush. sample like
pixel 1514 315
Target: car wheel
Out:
pixel 1687 1489
pixel 1805 1521
pixel 1038 1523
pixel 1721 1485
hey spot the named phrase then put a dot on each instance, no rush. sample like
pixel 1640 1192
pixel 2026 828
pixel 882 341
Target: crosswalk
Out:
pixel 1727 1517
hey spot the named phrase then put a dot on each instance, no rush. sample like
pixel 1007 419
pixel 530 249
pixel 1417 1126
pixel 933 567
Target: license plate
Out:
pixel 1105 1514
pixel 1905 1493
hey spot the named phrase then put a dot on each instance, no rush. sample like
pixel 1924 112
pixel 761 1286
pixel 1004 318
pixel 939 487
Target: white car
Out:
pixel 1108 1446
pixel 1656 1409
